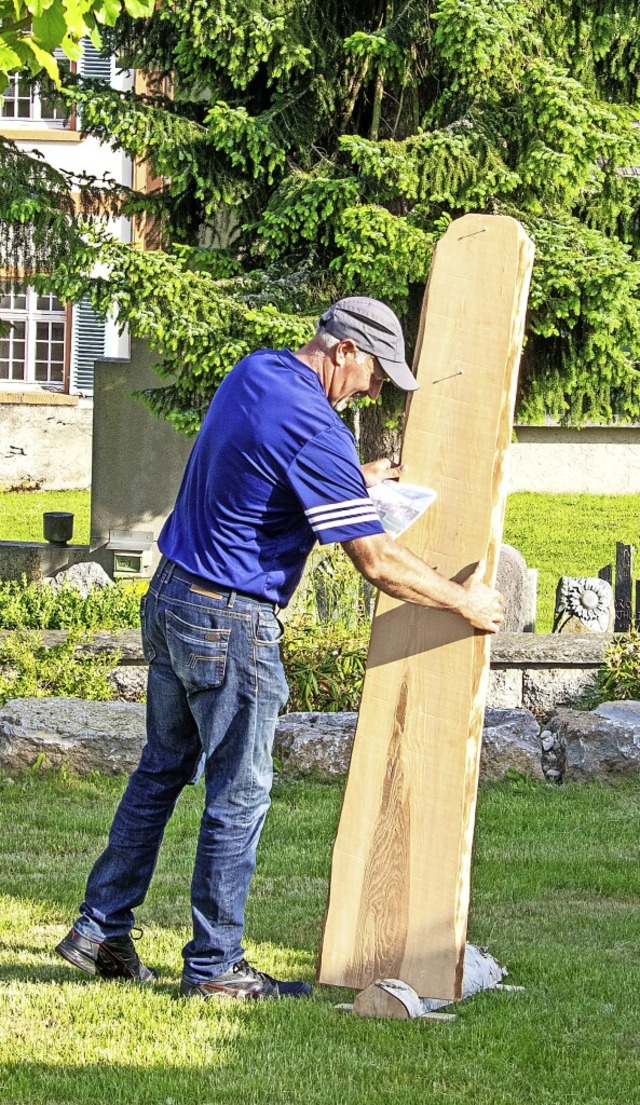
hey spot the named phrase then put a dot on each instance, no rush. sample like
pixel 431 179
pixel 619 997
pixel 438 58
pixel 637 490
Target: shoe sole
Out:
pixel 241 995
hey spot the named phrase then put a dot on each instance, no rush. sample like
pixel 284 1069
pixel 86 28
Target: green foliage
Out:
pixel 28 669
pixel 26 605
pixel 378 254
pixel 333 591
pixel 30 30
pixel 479 41
pixel 619 677
pixel 304 209
pixel 315 150
pixel 324 665
pixel 39 222
pixel 324 649
pixel 578 365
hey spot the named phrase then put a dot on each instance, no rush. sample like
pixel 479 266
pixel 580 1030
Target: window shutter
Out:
pixel 87 347
pixel 93 65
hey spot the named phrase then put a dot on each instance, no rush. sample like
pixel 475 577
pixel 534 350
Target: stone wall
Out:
pixel 537 671
pixel 45 441
pixel 542 671
pixel 108 737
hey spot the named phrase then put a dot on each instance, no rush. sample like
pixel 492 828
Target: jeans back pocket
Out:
pixel 198 653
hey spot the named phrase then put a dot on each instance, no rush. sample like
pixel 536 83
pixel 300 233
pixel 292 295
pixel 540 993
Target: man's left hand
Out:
pixel 378 470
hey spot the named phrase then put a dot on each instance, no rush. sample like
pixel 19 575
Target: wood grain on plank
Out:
pixel 400 876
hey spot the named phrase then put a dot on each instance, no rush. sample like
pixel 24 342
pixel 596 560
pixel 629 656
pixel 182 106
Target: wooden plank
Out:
pixel 622 592
pixel 399 889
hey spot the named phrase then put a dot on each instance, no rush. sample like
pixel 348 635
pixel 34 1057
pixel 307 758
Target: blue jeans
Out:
pixel 216 685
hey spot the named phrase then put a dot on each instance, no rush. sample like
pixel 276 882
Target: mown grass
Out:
pixel 557 534
pixel 571 535
pixel 21 513
pixel 556 895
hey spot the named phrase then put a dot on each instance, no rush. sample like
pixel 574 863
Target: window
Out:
pixel 22 105
pixel 35 349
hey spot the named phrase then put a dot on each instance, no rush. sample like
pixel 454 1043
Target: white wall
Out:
pixel 598 460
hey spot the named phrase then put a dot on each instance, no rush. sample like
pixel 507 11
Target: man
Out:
pixel 273 470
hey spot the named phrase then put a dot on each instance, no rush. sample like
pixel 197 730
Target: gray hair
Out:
pixel 328 341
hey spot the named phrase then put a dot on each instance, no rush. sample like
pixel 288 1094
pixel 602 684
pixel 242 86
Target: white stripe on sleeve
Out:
pixel 346 503
pixel 356 518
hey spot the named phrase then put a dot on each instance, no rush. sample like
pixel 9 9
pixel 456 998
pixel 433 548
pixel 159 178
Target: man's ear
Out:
pixel 346 347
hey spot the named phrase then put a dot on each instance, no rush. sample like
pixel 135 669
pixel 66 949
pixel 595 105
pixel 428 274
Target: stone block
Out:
pixel 595 746
pixel 129 682
pixel 551 650
pixel 37 559
pixel 510 742
pixel 505 689
pixel 320 744
pixel 315 743
pixel 623 713
pixel 83 736
pixel 546 690
pixel 82 577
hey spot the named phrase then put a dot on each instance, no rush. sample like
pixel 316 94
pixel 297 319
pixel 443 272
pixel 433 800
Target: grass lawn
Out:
pixel 556 895
pixel 569 535
pixel 557 534
pixel 21 513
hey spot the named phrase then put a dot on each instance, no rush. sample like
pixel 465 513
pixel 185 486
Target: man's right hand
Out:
pixel 484 607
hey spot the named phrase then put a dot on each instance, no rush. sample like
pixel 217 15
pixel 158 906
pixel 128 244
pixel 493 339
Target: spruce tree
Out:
pixel 311 149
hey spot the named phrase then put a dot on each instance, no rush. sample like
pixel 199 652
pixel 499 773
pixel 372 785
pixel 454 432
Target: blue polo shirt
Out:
pixel 273 469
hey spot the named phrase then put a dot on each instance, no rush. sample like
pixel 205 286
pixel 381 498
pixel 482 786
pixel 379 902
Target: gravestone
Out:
pixel 583 605
pixel 517 583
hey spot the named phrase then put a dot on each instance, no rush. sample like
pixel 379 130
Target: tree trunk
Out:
pixel 375 438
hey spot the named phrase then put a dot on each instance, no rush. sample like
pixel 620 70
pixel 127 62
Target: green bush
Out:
pixel 26 605
pixel 333 591
pixel 28 669
pixel 324 665
pixel 619 677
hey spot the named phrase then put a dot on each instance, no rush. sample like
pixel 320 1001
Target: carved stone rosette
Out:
pixel 587 599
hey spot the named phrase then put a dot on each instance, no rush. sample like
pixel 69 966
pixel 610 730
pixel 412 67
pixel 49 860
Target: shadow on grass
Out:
pixel 46 972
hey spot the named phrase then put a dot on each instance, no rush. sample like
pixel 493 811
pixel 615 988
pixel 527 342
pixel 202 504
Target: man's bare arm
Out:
pixel 398 572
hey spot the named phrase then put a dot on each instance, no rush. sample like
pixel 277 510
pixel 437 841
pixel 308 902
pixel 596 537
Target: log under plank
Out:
pixel 400 875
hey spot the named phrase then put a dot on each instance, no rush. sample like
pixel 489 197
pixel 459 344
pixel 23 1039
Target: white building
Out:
pixel 52 346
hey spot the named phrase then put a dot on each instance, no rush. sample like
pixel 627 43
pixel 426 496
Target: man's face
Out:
pixel 355 375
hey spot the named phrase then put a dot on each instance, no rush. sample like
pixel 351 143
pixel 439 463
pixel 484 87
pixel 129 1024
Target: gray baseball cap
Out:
pixel 375 330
